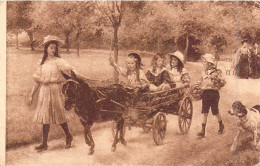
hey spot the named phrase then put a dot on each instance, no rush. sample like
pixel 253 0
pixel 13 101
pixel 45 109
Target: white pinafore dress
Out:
pixel 50 104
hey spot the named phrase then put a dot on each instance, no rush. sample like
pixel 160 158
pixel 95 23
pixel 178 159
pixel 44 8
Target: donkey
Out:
pixel 96 105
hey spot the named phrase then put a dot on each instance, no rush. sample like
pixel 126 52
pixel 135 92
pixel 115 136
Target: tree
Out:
pixel 113 10
pixel 81 13
pixel 18 20
pixel 54 17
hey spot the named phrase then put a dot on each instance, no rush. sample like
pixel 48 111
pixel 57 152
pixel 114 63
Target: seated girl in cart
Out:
pixel 137 81
pixel 158 75
pixel 177 72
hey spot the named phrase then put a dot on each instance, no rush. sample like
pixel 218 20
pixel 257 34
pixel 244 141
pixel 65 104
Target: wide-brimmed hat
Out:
pixel 208 58
pixel 178 55
pixel 50 38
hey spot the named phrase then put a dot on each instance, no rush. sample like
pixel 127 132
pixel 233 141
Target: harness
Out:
pixel 103 97
pixel 64 91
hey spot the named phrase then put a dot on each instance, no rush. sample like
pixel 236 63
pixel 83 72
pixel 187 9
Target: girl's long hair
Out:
pixel 56 53
pixel 138 64
pixel 154 61
pixel 180 65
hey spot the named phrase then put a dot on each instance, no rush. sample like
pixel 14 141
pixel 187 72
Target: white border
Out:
pixel 2 81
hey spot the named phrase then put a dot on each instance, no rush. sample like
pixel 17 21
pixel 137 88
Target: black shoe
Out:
pixel 123 141
pixel 41 147
pixel 221 129
pixel 68 141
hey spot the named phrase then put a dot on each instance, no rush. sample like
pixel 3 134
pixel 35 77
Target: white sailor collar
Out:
pixel 159 72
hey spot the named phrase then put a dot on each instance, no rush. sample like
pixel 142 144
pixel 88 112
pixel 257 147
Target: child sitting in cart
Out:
pixel 158 75
pixel 137 81
pixel 211 82
pixel 177 72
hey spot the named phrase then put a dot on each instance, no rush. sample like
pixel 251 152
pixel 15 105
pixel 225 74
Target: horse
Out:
pixel 96 105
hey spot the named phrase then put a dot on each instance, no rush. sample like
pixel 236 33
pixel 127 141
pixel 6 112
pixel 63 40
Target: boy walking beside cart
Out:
pixel 211 82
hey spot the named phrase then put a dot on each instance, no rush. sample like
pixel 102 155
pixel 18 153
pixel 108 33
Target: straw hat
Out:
pixel 52 38
pixel 208 58
pixel 178 55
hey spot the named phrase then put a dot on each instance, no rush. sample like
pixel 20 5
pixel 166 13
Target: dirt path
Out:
pixel 141 150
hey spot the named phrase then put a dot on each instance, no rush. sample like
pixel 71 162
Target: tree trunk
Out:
pixel 176 41
pixel 17 43
pixel 78 41
pixel 30 34
pixel 115 45
pixel 159 43
pixel 67 34
pixel 186 48
pixel 78 45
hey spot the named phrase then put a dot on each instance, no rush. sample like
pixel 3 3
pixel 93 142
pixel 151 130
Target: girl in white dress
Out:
pixel 48 80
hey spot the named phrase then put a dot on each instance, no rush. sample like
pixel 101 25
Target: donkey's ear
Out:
pixel 66 76
pixel 73 75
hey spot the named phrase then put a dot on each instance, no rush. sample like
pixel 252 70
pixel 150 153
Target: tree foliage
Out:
pixel 62 18
pixel 18 19
pixel 162 26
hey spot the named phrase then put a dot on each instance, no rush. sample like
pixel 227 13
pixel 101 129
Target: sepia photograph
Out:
pixel 130 83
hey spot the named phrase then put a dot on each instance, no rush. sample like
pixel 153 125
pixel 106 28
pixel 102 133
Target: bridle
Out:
pixel 73 99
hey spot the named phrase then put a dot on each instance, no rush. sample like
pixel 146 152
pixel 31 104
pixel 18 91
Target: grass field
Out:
pixel 94 64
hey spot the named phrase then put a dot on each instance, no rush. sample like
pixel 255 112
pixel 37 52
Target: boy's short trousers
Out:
pixel 210 99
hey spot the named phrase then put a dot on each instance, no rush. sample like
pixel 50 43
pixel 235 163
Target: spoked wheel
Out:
pixel 113 129
pixel 159 128
pixel 185 115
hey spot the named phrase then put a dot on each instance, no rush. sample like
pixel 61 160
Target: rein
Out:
pixel 71 80
pixel 103 97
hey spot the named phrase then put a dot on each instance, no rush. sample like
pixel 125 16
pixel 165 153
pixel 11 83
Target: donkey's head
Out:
pixel 71 90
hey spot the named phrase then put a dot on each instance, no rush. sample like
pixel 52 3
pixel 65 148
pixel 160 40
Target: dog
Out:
pixel 248 120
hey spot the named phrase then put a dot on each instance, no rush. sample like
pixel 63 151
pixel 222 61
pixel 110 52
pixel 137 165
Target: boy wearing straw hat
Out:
pixel 210 83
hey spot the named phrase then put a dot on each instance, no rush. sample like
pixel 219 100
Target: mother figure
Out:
pixel 243 68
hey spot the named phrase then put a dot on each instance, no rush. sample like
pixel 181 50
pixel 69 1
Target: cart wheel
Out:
pixel 159 128
pixel 113 129
pixel 185 115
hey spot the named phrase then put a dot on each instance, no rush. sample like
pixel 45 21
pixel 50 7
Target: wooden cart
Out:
pixel 149 112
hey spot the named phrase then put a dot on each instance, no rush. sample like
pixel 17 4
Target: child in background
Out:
pixel 211 82
pixel 177 72
pixel 158 75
